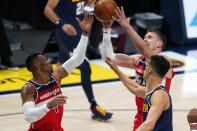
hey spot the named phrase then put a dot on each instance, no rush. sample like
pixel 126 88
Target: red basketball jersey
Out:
pixel 45 92
pixel 139 70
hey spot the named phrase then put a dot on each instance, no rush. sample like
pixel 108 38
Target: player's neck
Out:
pixel 153 82
pixel 41 77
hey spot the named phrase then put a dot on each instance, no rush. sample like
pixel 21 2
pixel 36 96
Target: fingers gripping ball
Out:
pixel 105 9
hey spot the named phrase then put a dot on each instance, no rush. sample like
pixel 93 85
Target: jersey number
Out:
pixel 56 110
pixel 80 6
pixel 141 81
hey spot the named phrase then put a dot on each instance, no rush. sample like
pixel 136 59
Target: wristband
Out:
pixel 193 124
pixel 59 23
pixel 85 32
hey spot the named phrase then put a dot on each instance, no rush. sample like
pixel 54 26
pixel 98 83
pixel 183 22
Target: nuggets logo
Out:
pixel 177 63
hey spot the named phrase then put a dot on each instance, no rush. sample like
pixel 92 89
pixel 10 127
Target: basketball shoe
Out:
pixel 100 114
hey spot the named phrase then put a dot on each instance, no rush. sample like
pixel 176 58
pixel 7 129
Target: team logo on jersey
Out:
pixel 177 63
pixel 145 108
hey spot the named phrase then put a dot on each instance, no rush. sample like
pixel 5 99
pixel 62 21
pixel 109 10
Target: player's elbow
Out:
pixel 150 125
pixel 29 117
pixel 46 11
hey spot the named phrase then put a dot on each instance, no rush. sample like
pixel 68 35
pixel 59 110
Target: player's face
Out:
pixel 45 65
pixel 152 41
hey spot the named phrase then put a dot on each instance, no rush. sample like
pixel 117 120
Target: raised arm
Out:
pixel 107 50
pixel 139 43
pixel 131 85
pixel 79 53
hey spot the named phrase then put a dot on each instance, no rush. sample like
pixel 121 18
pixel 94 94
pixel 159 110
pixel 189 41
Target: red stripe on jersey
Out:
pixel 168 81
pixel 138 60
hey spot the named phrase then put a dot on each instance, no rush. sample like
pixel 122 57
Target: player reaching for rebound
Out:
pixel 62 13
pixel 152 44
pixel 157 105
pixel 41 96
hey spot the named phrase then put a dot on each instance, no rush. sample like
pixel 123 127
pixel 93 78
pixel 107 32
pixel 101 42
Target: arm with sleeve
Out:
pixel 107 49
pixel 78 55
pixel 33 113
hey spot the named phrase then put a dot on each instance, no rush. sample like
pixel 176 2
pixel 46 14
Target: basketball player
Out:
pixel 157 107
pixel 62 13
pixel 152 44
pixel 41 96
pixel 192 119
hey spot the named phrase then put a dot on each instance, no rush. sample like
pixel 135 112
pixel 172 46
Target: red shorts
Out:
pixel 30 129
pixel 138 120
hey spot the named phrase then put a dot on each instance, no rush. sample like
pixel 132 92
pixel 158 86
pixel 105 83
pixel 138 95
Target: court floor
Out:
pixel 112 96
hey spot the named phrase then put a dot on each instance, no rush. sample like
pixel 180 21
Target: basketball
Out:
pixel 192 116
pixel 105 9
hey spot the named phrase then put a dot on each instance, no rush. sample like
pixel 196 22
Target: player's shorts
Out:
pixel 60 129
pixel 138 120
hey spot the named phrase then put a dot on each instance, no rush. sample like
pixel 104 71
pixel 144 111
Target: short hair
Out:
pixel 161 36
pixel 30 60
pixel 160 64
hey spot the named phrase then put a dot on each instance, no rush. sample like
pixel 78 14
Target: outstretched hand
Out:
pixel 111 63
pixel 57 101
pixel 86 24
pixel 121 18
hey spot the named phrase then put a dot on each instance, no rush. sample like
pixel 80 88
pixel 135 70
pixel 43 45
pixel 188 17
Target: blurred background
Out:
pixel 24 30
pixel 28 30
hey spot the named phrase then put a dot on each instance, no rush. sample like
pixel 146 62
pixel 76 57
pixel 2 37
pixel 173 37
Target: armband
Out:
pixel 193 124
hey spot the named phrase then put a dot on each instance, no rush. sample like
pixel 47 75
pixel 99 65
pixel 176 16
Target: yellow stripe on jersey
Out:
pixel 14 80
pixel 76 0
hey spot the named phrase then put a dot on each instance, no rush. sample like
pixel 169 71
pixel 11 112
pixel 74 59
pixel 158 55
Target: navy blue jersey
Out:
pixel 164 123
pixel 68 10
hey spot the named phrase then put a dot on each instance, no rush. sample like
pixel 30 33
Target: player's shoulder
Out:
pixel 136 57
pixel 160 95
pixel 28 87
